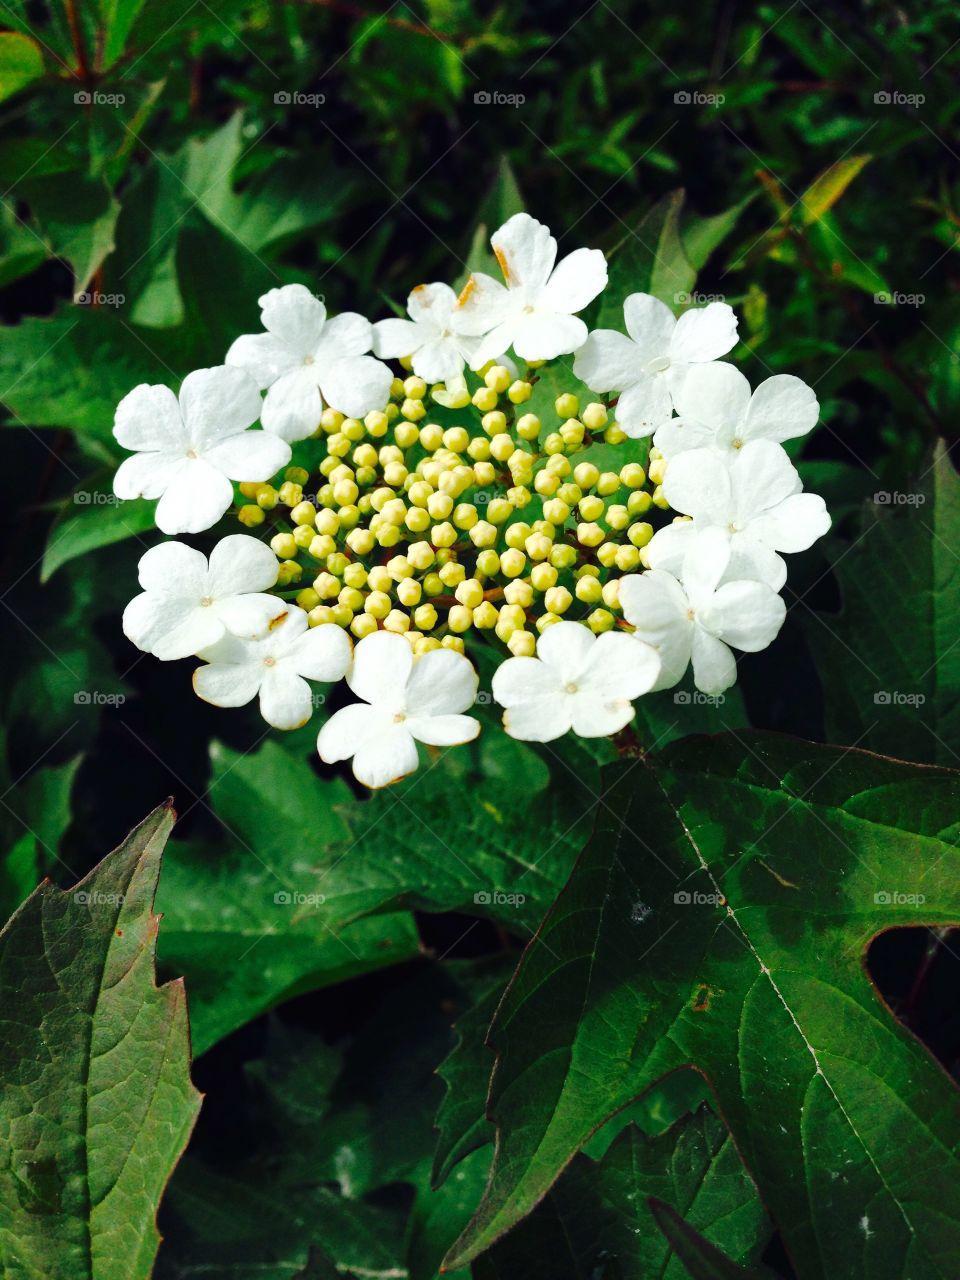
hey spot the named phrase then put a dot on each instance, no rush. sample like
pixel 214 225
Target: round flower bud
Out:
pixel 431 437
pixel 290 494
pixel 512 563
pixel 460 618
pixel 518 595
pixel 321 546
pixel 586 475
pixel 425 617
pixel 588 590
pixel 591 507
pixel 608 483
pixel 456 439
pixel 377 604
pixel 485 399
pixel 537 546
pixel 379 578
pixel 443 535
pixel 452 642
pixel 488 563
pixel 452 573
pixel 528 426
pixel 320 616
pixel 519 392
pixel 485 615
pixel 543 577
pixel 396 621
pixel 600 620
pixel 590 534
pixel 470 593
pixel 607 554
pixel 364 624
pixel 640 533
pixel 303 535
pixel 417 520
pixel 546 484
pixel 497 377
pixel 563 556
pixel 439 505
pixel 283 546
pixel 558 599
pixel 594 416
pixel 567 405
pixel 639 503
pixel 522 644
pixel 465 515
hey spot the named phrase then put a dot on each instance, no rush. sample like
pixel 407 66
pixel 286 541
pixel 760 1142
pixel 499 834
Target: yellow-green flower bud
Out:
pixel 567 405
pixel 528 426
pixel 283 546
pixel 640 533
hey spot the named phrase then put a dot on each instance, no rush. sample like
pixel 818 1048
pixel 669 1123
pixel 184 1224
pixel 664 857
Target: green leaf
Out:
pixel 701 236
pixel 249 925
pixel 77 217
pixel 891 678
pixel 649 259
pixel 597 1219
pixel 701 1259
pixel 94 1072
pixel 90 523
pixel 20 62
pixel 719 918
pixel 828 186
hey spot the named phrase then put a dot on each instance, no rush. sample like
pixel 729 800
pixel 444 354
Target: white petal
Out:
pixel 249 455
pixel 525 250
pixel 752 559
pixel 443 731
pixel 227 684
pixel 794 524
pixel 782 408
pixel 322 653
pixel 650 323
pixel 442 359
pixel 432 304
pixel 519 680
pixel 295 316
pixel 704 564
pixel 356 385
pixel 619 667
pixel 714 667
pixel 539 719
pixel 440 683
pixel 607 361
pixel 351 729
pixel 173 568
pixel 285 698
pixel 576 281
pixel 593 718
pixel 381 666
pixel 704 333
pixel 761 477
pixel 644 406
pixel 146 475
pixel 263 355
pixel 148 418
pixel 395 337
pixel 657 607
pixel 543 335
pixel 715 394
pixel 292 407
pixel 240 563
pixel 483 304
pixel 345 336
pixel 697 483
pixel 248 616
pixel 567 647
pixel 678 435
pixel 216 403
pixel 195 499
pixel 750 613
pixel 387 759
pixel 669 545
pixel 168 626
pixel 495 343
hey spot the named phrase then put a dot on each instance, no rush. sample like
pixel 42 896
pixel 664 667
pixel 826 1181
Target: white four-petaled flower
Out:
pixel 306 361
pixel 717 411
pixel 431 336
pixel 577 681
pixel 187 451
pixel 405 701
pixel 188 603
pixel 701 618
pixel 534 310
pixel 277 666
pixel 647 367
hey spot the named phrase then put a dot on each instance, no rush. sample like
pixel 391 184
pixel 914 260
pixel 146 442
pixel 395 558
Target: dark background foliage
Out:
pixel 164 163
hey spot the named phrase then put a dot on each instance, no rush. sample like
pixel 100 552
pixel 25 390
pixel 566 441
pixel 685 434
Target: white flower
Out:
pixel 577 681
pixel 717 410
pixel 405 702
pixel 188 452
pixel 187 605
pixel 646 367
pixel 431 335
pixel 754 496
pixel 701 618
pixel 305 360
pixel 534 311
pixel 277 666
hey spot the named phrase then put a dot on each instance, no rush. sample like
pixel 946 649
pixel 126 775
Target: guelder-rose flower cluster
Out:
pixel 398 519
